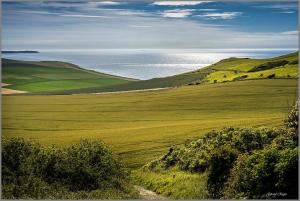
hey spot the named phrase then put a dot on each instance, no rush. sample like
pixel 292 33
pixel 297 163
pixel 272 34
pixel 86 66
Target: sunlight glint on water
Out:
pixel 143 64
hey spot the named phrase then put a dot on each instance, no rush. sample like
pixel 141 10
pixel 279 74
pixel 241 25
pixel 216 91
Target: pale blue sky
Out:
pixel 149 24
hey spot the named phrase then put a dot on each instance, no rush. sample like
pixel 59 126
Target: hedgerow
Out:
pixel 32 171
pixel 241 163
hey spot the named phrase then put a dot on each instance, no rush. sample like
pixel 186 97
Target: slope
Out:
pixel 141 125
pixel 232 69
pixel 45 76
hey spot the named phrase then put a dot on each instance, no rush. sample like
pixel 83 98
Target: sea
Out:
pixel 144 64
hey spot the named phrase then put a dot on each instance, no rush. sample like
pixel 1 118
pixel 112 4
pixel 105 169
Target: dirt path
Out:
pixel 148 195
pixel 11 91
pixel 138 90
pixel 4 84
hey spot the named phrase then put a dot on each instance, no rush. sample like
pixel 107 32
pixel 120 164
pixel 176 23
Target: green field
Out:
pixel 223 71
pixel 52 76
pixel 234 68
pixel 174 184
pixel 140 126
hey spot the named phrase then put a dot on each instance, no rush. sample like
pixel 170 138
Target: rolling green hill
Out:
pixel 64 78
pixel 232 163
pixel 140 126
pixel 46 76
pixel 232 69
pixel 172 81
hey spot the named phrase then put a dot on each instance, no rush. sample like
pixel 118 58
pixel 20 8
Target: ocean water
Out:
pixel 143 64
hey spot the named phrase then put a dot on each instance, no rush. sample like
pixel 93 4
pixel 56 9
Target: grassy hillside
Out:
pixel 233 163
pixel 52 76
pixel 173 183
pixel 232 69
pixel 140 126
pixel 64 78
pixel 172 81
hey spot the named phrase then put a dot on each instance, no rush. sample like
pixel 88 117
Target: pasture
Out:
pixel 47 76
pixel 140 126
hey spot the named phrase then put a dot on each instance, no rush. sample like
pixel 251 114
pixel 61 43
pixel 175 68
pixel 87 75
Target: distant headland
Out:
pixel 20 51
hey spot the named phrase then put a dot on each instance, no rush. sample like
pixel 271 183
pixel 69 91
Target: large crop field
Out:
pixel 47 76
pixel 140 126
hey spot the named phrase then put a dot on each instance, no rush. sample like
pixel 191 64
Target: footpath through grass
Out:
pixel 140 126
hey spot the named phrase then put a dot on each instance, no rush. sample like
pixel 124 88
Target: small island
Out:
pixel 20 51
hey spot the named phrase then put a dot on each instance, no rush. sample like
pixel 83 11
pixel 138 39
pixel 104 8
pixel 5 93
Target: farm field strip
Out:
pixel 140 126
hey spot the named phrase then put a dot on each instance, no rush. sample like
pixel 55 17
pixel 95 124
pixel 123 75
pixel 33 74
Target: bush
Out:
pixel 32 171
pixel 269 65
pixel 268 173
pixel 242 163
pixel 240 78
pixel 20 168
pixel 292 119
pixel 271 76
pixel 196 156
pixel 271 172
pixel 220 164
pixel 293 62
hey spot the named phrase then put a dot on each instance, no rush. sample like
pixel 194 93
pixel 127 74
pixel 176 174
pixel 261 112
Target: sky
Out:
pixel 80 25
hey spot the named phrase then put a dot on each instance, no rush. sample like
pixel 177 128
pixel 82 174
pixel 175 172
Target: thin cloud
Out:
pixel 177 13
pixel 38 12
pixel 290 33
pixel 65 15
pixel 107 2
pixel 132 12
pixel 179 3
pixel 224 15
pixel 85 16
pixel 207 9
pixel 129 24
pixel 280 6
pixel 140 26
pixel 285 12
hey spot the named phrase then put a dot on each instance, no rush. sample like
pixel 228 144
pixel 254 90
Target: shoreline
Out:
pixel 97 62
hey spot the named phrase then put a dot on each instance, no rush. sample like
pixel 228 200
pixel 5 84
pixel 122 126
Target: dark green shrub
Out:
pixel 271 76
pixel 240 78
pixel 196 156
pixel 292 119
pixel 21 171
pixel 31 171
pixel 259 163
pixel 268 173
pixel 271 172
pixel 220 164
pixel 269 65
pixel 18 158
pixel 90 165
pixel 288 139
pixel 294 62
